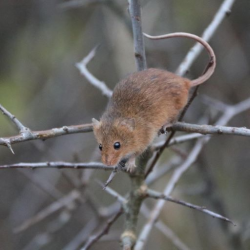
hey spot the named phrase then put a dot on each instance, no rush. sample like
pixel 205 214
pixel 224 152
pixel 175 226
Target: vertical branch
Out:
pixel 137 194
pixel 138 187
pixel 139 49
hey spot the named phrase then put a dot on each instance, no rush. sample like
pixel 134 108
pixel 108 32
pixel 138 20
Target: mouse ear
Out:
pixel 96 123
pixel 128 123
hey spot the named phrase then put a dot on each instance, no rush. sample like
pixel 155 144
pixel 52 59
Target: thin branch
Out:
pixel 160 172
pixel 111 177
pixel 113 193
pixel 139 49
pixel 210 129
pixel 104 231
pixel 171 235
pixel 214 103
pixel 82 66
pixel 158 153
pixel 178 140
pixel 157 195
pixel 43 184
pixel 82 235
pixel 47 236
pixel 179 126
pixel 183 138
pixel 166 231
pixel 47 134
pixel 230 111
pixel 57 205
pixel 16 122
pixel 241 107
pixel 234 110
pixel 223 11
pixel 6 142
pixel 59 165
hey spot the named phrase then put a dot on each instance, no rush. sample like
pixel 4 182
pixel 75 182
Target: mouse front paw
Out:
pixel 130 165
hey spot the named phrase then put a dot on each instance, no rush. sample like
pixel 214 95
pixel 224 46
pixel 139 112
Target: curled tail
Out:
pixel 212 62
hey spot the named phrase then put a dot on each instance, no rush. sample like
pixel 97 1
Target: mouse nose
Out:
pixel 107 160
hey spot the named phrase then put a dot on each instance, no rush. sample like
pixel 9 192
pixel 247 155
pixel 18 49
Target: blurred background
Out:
pixel 40 43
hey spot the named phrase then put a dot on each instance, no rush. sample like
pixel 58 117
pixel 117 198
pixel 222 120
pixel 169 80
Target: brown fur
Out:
pixel 140 105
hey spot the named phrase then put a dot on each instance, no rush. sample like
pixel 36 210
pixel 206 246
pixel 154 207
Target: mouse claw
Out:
pixel 165 128
pixel 131 168
pixel 161 131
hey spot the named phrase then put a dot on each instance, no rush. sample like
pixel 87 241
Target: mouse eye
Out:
pixel 117 145
pixel 100 147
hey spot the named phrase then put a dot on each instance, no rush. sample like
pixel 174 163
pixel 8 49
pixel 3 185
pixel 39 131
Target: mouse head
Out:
pixel 116 137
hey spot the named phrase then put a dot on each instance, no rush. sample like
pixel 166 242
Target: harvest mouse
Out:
pixel 141 105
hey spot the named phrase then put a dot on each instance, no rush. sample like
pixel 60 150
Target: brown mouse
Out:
pixel 140 106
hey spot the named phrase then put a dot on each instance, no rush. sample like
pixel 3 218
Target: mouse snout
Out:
pixel 108 160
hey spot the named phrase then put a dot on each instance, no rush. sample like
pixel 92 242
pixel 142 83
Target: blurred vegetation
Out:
pixel 40 42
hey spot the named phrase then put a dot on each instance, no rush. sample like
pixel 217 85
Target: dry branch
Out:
pixel 157 195
pixel 117 196
pixel 59 165
pixel 82 66
pixel 166 231
pixel 104 231
pixel 139 49
pixel 27 134
pixel 210 129
pixel 57 205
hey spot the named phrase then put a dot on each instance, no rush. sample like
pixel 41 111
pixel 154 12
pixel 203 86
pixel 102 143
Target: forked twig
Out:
pixel 82 66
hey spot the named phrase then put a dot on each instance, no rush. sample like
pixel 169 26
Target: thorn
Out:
pixel 11 149
pixel 8 144
pixel 111 177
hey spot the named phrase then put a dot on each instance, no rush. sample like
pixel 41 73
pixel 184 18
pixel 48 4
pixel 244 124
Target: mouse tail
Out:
pixel 212 63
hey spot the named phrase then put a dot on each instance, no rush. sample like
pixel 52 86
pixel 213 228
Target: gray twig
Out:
pixel 59 165
pixel 111 177
pixel 157 195
pixel 46 134
pixel 210 129
pixel 230 111
pixel 52 208
pixel 178 140
pixel 82 235
pixel 17 123
pixel 166 231
pixel 82 66
pixel 139 49
pixel 113 193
